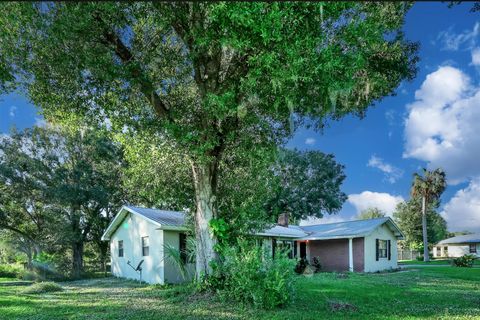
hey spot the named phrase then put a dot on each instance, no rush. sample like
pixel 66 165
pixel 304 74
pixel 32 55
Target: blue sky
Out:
pixel 429 123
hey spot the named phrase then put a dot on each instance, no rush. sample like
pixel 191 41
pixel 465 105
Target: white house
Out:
pixel 139 235
pixel 458 246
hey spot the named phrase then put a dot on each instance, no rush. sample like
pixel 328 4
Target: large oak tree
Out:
pixel 210 79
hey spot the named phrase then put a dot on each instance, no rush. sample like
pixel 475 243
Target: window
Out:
pixel 473 248
pixel 439 251
pixel 183 247
pixel 283 246
pixel 120 248
pixel 145 246
pixel 445 251
pixel 382 248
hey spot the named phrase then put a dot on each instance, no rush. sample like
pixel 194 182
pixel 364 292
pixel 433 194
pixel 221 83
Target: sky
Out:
pixel 430 122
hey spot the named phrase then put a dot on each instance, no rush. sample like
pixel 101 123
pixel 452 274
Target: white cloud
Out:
pixel 442 124
pixel 462 212
pixel 476 56
pixel 368 199
pixel 392 173
pixel 456 41
pixel 310 141
pixel 326 219
pixel 13 111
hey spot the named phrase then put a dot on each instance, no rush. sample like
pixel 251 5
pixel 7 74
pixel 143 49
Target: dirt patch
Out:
pixel 336 306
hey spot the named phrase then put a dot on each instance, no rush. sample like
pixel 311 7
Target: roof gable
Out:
pixel 164 219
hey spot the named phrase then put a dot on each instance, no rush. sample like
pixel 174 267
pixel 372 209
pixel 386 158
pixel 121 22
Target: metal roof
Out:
pixel 284 232
pixel 347 229
pixel 164 219
pixel 468 238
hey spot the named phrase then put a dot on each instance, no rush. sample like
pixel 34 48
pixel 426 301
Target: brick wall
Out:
pixel 333 254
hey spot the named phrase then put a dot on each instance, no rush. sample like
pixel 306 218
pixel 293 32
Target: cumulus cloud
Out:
pixel 12 111
pixel 326 219
pixel 462 212
pixel 453 41
pixel 310 141
pixel 391 173
pixel 442 124
pixel 368 199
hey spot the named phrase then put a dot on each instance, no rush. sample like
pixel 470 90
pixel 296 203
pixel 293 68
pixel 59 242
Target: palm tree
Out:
pixel 429 187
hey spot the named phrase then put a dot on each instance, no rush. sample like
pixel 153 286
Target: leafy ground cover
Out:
pixel 426 293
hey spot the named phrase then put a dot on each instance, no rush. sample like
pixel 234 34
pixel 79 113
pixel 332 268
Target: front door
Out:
pixel 303 250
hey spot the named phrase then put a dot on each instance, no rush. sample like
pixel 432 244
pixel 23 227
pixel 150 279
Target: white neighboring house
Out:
pixel 140 234
pixel 458 246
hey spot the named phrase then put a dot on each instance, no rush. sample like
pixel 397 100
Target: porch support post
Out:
pixel 350 254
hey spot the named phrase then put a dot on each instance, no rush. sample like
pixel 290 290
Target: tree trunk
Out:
pixel 205 179
pixel 426 257
pixel 77 255
pixel 29 259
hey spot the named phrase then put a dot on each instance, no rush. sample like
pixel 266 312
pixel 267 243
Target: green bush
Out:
pixel 247 275
pixel 10 270
pixel 43 287
pixel 465 261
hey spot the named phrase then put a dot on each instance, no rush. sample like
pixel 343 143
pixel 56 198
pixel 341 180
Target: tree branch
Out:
pixel 127 58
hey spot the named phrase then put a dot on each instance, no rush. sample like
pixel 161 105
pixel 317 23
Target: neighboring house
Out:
pixel 458 246
pixel 137 234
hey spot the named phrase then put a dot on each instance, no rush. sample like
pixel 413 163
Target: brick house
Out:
pixel 360 245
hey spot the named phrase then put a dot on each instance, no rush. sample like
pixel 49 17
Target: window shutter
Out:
pixel 389 247
pixel 376 249
pixel 274 244
pixel 294 249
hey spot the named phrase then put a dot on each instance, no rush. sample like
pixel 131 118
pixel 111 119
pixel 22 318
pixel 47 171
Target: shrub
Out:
pixel 465 261
pixel 10 270
pixel 301 265
pixel 246 275
pixel 43 287
pixel 316 264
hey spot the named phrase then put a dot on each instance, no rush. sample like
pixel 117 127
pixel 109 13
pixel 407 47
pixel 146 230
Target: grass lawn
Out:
pixel 433 262
pixel 429 293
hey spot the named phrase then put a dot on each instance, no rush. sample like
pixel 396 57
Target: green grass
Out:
pixel 432 262
pixel 427 293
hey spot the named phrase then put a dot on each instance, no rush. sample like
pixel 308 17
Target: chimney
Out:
pixel 283 220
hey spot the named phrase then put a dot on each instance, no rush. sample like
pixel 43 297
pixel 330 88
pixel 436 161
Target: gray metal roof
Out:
pixel 343 229
pixel 468 238
pixel 164 217
pixel 347 229
pixel 283 232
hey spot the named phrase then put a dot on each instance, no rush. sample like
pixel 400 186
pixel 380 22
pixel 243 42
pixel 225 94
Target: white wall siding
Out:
pixel 172 272
pixel 458 250
pixel 371 265
pixel 131 231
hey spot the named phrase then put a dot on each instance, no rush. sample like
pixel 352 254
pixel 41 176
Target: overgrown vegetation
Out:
pixel 465 261
pixel 43 287
pixel 413 294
